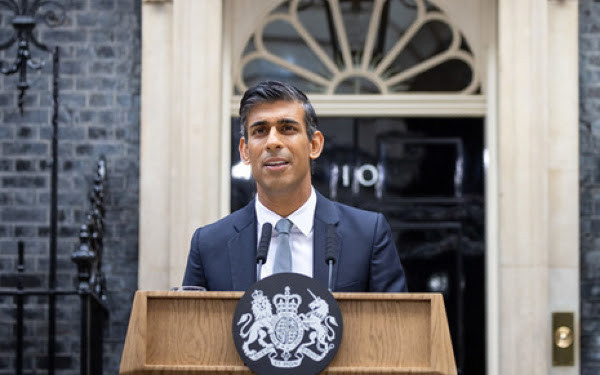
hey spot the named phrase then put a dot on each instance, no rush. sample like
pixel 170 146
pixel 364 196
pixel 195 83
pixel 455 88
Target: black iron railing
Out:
pixel 90 288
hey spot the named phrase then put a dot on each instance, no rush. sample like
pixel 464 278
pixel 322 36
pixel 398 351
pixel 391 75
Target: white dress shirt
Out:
pixel 301 235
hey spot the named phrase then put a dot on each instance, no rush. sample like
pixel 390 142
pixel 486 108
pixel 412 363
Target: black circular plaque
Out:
pixel 287 324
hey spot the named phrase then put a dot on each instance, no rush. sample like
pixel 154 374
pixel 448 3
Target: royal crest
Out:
pixel 287 336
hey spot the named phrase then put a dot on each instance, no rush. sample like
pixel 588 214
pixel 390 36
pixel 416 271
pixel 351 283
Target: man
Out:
pixel 280 139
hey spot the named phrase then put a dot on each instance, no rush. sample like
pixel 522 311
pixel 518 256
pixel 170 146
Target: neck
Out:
pixel 284 204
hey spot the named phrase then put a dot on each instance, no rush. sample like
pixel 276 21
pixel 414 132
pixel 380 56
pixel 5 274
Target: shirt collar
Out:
pixel 303 218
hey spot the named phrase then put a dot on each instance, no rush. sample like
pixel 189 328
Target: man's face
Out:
pixel 278 148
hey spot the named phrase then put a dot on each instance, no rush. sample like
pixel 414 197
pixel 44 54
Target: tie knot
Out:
pixel 283 226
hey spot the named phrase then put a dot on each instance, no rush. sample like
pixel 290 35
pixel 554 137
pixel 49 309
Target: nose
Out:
pixel 273 139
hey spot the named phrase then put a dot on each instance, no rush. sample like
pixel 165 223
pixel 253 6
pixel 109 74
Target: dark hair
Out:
pixel 272 91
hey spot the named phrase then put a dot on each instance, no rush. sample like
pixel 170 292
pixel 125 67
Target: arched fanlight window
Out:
pixel 359 47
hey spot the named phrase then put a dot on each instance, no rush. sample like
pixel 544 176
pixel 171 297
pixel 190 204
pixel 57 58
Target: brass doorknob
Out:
pixel 563 337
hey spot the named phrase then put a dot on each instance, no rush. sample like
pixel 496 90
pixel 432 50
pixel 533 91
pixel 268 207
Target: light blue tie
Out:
pixel 283 256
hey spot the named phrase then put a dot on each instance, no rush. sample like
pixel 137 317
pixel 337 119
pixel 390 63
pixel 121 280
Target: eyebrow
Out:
pixel 280 121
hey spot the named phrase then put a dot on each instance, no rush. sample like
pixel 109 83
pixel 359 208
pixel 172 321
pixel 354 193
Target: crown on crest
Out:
pixel 257 294
pixel 287 302
pixel 258 298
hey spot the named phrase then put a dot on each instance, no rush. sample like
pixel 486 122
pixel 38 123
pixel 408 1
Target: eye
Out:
pixel 288 128
pixel 258 130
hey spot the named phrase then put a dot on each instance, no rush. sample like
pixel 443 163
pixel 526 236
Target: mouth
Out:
pixel 276 164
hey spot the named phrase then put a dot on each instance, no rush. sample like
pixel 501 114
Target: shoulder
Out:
pixel 349 210
pixel 228 225
pixel 361 220
pixel 331 211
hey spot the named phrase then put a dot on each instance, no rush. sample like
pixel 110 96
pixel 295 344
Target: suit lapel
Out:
pixel 325 213
pixel 242 249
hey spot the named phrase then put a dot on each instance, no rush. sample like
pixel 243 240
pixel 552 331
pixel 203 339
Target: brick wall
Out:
pixel 99 114
pixel 589 127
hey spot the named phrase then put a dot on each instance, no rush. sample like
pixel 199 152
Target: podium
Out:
pixel 384 333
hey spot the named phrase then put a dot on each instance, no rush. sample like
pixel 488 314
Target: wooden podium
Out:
pixel 190 333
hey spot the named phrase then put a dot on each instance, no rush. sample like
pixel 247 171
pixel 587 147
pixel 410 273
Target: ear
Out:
pixel 244 151
pixel 316 145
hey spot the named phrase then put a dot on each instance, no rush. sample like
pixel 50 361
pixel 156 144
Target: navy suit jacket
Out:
pixel 223 254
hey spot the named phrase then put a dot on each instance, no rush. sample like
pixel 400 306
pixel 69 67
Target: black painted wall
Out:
pixel 99 114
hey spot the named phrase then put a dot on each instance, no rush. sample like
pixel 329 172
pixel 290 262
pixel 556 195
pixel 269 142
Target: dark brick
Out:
pixel 123 68
pixel 67 166
pixel 6 132
pixel 65 114
pixel 24 132
pixel 7 100
pixel 590 291
pixel 110 149
pixel 65 151
pixel 84 53
pixel 7 345
pixel 591 344
pixel 86 83
pixel 6 198
pixel 14 215
pixel 122 37
pixel 29 116
pixel 31 100
pixel 105 52
pixel 83 150
pixel 41 83
pixel 6 363
pixel 25 231
pixel 69 232
pixel 25 197
pixel 73 100
pixel 24 165
pixel 124 101
pixel 100 36
pixel 87 116
pixel 106 20
pixel 61 36
pixel 128 7
pixel 28 280
pixel 78 4
pixel 65 133
pixel 66 197
pixel 103 4
pixel 96 133
pixel 86 20
pixel 10 149
pixel 7 264
pixel 101 100
pixel 61 362
pixel 102 67
pixel 106 117
pixel 66 83
pixel 108 84
pixel 72 67
pixel 6 165
pixel 45 165
pixel 24 182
